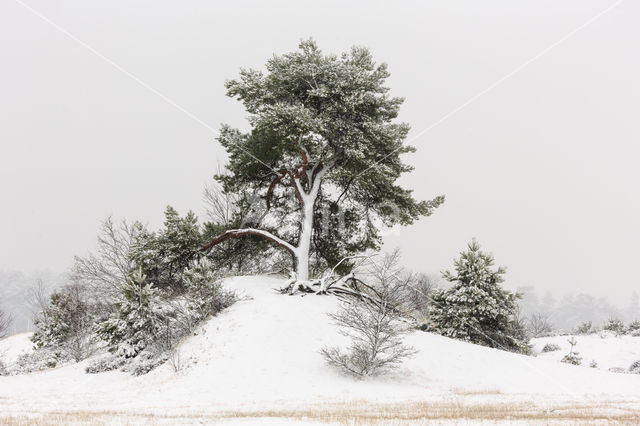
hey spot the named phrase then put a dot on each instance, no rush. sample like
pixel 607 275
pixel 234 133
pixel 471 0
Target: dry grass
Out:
pixel 465 392
pixel 364 413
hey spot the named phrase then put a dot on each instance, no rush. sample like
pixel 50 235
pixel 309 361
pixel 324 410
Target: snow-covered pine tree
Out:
pixel 204 294
pixel 585 327
pixel 165 254
pixel 180 239
pixel 572 357
pixel 615 325
pixel 633 327
pixel 65 325
pixel 137 321
pixel 476 308
pixel 323 153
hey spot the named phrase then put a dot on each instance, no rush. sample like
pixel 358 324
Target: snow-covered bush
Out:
pixel 204 296
pixel 148 323
pixel 633 327
pixel 4 371
pixel 374 324
pixel 65 324
pixel 62 333
pixel 617 370
pixel 572 357
pixel 593 364
pixel 477 308
pixel 634 368
pixel 376 339
pixel 146 362
pixel 104 363
pixel 614 325
pixel 42 359
pixel 585 327
pixel 635 333
pixel 551 347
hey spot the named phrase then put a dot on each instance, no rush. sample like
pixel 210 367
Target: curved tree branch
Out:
pixel 233 233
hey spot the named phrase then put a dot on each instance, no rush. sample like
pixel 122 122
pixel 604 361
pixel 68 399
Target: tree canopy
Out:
pixel 323 155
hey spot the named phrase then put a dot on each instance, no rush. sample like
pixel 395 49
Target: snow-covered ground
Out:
pixel 607 350
pixel 262 355
pixel 13 346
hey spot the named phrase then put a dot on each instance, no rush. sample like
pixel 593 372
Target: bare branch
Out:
pixel 538 325
pixel 220 206
pixel 105 271
pixel 5 322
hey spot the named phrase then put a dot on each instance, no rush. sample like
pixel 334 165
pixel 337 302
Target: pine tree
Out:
pixel 633 327
pixel 323 153
pixel 615 325
pixel 137 321
pixel 65 324
pixel 164 255
pixel 180 239
pixel 205 295
pixel 476 308
pixel 572 357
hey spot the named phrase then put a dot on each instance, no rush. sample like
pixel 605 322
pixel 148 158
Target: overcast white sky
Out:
pixel 542 169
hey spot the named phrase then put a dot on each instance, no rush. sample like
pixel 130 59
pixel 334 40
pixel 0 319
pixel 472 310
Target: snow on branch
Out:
pixel 233 233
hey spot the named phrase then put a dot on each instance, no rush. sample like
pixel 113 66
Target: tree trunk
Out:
pixel 304 242
pixel 307 201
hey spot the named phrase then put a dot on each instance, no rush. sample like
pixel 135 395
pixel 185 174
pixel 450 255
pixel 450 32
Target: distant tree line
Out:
pixel 571 310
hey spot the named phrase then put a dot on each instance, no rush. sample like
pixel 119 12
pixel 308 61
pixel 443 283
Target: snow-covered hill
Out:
pixel 262 354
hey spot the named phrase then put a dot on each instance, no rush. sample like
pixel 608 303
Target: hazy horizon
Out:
pixel 538 162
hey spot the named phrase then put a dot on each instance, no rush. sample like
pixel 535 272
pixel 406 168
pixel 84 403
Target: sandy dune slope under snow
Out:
pixel 262 354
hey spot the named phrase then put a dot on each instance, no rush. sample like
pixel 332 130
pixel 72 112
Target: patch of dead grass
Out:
pixel 467 392
pixel 364 413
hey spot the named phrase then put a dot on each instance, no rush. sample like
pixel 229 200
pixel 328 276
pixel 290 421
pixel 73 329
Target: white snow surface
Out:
pixel 606 349
pixel 13 346
pixel 264 351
